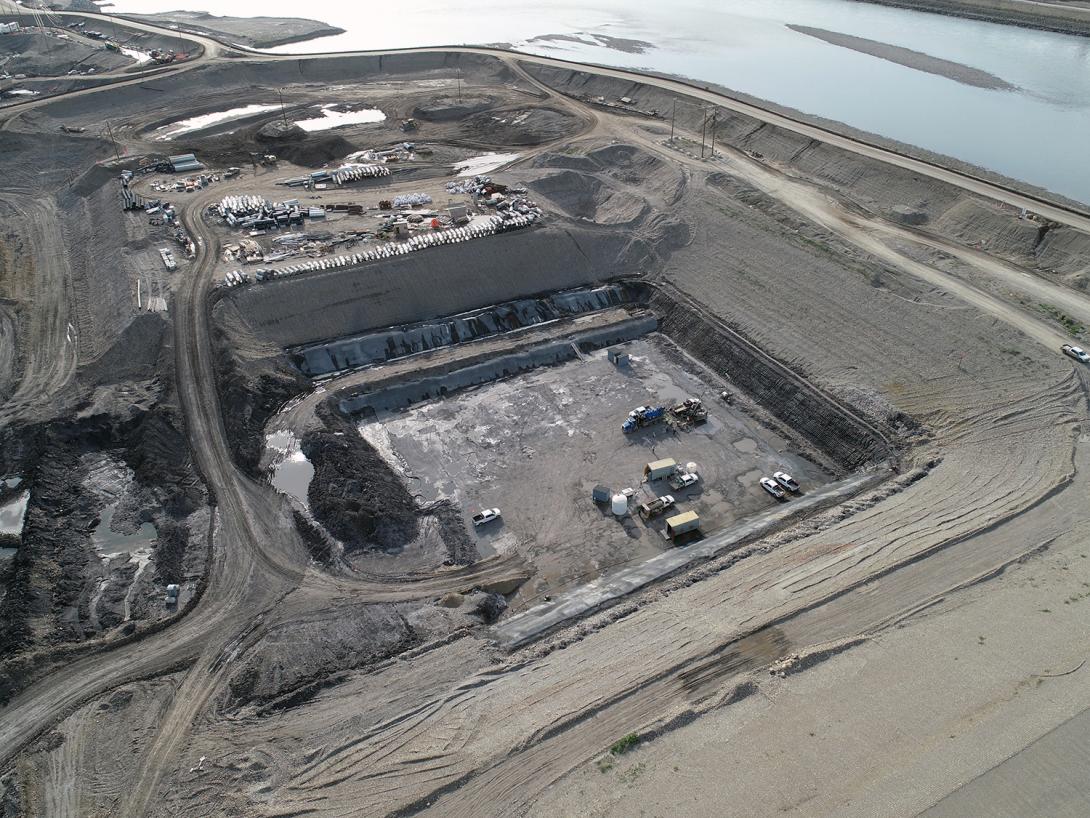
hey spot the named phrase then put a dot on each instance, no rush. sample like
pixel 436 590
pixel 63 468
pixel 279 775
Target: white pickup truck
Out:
pixel 1078 353
pixel 486 516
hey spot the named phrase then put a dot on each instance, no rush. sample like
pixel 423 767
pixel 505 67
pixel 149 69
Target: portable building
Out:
pixel 682 524
pixel 601 494
pixel 658 469
pixel 617 356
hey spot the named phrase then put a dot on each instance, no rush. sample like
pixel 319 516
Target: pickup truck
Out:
pixel 653 508
pixel 486 516
pixel 787 481
pixel 773 488
pixel 683 480
pixel 1078 353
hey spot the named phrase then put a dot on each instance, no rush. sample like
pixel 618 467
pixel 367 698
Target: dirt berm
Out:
pixel 896 194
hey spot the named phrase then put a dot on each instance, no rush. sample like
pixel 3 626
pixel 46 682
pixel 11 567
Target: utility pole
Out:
pixel 110 131
pixel 283 113
pixel 703 132
pixel 715 114
pixel 459 85
pixel 673 118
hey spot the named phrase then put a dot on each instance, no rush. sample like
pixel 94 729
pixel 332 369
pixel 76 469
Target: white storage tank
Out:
pixel 620 505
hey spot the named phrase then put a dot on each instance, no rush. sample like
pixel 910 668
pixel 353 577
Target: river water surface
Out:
pixel 1035 129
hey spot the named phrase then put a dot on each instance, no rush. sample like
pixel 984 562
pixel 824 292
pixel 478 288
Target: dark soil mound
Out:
pixel 450 109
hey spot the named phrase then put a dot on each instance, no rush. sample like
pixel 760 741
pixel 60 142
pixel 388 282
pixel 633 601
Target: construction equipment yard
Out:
pixel 450 431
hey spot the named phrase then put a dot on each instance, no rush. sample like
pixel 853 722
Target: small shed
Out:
pixel 658 469
pixel 458 214
pixel 601 494
pixel 682 524
pixel 617 356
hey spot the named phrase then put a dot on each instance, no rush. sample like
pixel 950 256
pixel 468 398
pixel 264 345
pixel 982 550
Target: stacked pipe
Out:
pixel 411 200
pixel 352 172
pixel 486 227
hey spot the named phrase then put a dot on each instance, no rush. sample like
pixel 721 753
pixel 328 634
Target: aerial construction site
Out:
pixel 453 431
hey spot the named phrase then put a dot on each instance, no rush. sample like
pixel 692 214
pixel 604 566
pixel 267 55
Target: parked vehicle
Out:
pixel 1078 353
pixel 681 524
pixel 773 488
pixel 643 416
pixel 653 508
pixel 787 481
pixel 486 516
pixel 683 480
pixel 691 410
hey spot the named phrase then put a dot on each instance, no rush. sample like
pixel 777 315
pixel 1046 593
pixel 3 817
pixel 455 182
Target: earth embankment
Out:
pixel 303 310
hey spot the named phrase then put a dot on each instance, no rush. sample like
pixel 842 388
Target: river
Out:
pixel 1033 126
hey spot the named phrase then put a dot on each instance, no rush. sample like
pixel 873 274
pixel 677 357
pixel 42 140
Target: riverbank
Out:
pixel 1068 19
pixel 251 32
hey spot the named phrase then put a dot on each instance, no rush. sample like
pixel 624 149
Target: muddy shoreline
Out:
pixel 909 58
pixel 1003 12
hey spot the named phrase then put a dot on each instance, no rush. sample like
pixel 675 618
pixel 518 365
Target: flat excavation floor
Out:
pixel 536 445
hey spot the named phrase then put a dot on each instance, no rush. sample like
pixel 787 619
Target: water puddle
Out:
pixel 110 543
pixel 291 471
pixel 197 123
pixel 332 118
pixel 11 514
pixel 746 444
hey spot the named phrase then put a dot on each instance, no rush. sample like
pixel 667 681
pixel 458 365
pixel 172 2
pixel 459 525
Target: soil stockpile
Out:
pixel 450 109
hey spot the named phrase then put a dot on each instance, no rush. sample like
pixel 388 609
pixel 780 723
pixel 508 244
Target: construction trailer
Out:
pixel 658 469
pixel 682 523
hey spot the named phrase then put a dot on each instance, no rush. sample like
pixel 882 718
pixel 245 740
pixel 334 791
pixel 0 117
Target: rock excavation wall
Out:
pixel 336 303
pixel 837 432
pixel 401 392
pixel 395 342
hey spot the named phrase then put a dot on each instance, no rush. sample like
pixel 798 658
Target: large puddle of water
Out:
pixel 331 118
pixel 112 544
pixel 746 45
pixel 291 471
pixel 197 123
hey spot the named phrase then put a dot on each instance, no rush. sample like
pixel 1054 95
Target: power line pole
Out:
pixel 703 132
pixel 715 114
pixel 283 113
pixel 673 117
pixel 110 131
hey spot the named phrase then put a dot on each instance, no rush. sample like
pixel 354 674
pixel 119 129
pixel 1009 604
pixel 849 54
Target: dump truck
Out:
pixel 682 524
pixel 653 508
pixel 643 416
